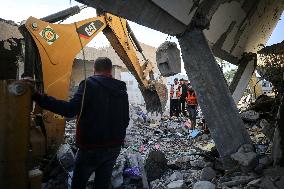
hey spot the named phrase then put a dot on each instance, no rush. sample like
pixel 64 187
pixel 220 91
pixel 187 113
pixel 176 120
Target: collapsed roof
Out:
pixel 232 27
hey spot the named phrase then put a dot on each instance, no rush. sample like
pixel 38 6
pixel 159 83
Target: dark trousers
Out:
pixel 174 107
pixel 192 111
pixel 100 161
pixel 182 103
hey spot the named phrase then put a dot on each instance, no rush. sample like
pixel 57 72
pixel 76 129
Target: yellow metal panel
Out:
pixel 58 44
pixel 14 133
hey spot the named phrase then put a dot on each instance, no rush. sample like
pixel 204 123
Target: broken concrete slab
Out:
pixel 156 165
pixel 222 21
pixel 274 171
pixel 117 172
pixel 178 184
pixel 254 182
pixel 238 180
pixel 66 157
pixel 241 78
pixel 176 176
pixel 250 115
pixel 204 185
pixel 168 59
pixel 245 156
pixel 198 163
pixel 267 128
pixel 207 174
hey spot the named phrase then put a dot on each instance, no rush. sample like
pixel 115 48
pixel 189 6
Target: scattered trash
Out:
pixel 133 171
pixel 194 133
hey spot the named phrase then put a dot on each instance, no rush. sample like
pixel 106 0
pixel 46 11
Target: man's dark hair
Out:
pixel 103 64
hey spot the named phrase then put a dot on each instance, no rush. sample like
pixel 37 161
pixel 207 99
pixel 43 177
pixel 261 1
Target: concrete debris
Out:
pixel 254 182
pixel 176 176
pixel 264 123
pixel 238 180
pixel 178 184
pixel 245 155
pixel 271 182
pixel 250 115
pixel 117 173
pixel 156 165
pixel 198 163
pixel 204 185
pixel 207 174
pixel 66 157
pixel 170 157
pixel 267 128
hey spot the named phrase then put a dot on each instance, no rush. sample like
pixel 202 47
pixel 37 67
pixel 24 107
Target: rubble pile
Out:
pixel 163 153
pixel 173 156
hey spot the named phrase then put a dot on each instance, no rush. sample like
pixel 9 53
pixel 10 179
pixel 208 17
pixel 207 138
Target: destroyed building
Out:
pixel 119 69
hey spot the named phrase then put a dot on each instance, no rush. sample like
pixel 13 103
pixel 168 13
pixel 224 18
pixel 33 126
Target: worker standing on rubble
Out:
pixel 192 106
pixel 102 110
pixel 183 95
pixel 175 98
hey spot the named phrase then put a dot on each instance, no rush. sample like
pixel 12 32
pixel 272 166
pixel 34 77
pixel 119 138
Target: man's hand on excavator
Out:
pixel 36 95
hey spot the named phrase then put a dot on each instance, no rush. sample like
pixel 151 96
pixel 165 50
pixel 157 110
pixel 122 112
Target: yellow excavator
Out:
pixel 50 50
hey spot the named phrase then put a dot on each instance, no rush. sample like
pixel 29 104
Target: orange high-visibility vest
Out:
pixel 178 92
pixel 191 98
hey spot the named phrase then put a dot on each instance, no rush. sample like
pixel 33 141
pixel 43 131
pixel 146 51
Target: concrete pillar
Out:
pixel 220 111
pixel 278 139
pixel 242 77
pixel 116 72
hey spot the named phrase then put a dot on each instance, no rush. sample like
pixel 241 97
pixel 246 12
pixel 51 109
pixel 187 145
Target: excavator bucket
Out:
pixel 125 44
pixel 155 96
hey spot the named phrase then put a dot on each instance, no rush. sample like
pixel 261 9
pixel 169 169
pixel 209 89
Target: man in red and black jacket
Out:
pixel 102 124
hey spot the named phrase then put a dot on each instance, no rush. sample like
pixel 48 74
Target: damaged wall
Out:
pixel 10 49
pixel 93 53
pixel 242 26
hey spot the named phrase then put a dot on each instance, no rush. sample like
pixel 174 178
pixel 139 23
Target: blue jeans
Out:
pixel 100 161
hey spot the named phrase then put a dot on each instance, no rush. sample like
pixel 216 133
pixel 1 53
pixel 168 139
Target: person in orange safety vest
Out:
pixel 175 93
pixel 192 104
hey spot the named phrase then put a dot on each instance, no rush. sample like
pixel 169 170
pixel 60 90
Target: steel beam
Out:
pixel 217 104
pixel 242 77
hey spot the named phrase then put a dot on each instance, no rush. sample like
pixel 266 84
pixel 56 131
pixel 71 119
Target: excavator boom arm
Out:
pixel 58 45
